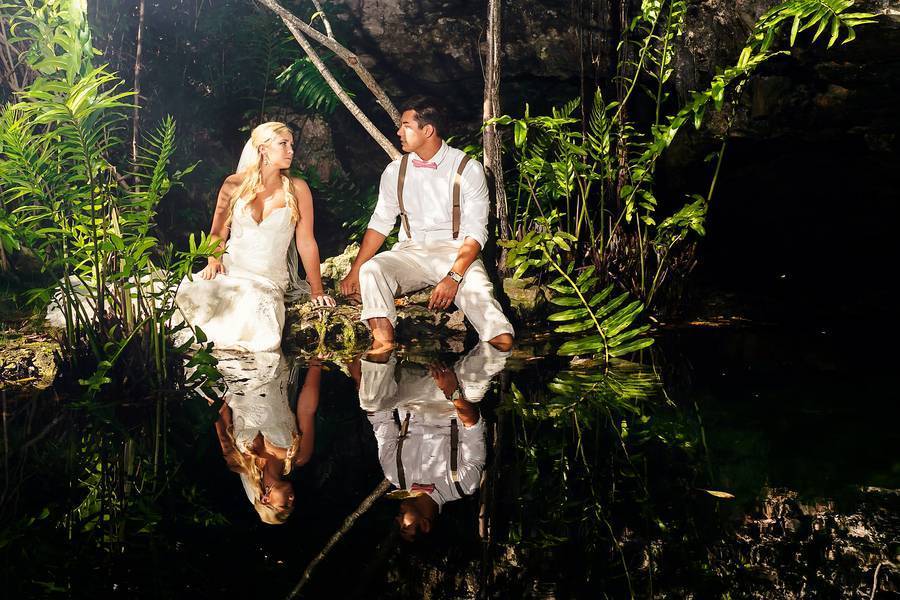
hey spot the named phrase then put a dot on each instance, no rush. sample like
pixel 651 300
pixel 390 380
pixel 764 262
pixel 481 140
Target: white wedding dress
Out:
pixel 258 386
pixel 243 308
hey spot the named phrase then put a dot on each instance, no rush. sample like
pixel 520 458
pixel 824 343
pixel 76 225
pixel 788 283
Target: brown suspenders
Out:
pixel 454 453
pixel 457 186
pixel 401 472
pixel 404 162
pixel 454 456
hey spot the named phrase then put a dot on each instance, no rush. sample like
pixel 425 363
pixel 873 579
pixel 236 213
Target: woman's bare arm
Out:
pixel 307 405
pixel 306 239
pixel 219 229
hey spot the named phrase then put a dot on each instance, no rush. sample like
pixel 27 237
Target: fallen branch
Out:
pixel 364 506
pixel 350 58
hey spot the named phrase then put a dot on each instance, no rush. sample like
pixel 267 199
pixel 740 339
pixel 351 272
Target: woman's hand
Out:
pixel 322 300
pixel 212 269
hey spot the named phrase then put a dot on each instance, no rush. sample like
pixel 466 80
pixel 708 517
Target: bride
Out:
pixel 263 219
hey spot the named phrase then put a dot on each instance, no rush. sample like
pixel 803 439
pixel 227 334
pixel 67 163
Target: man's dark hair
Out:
pixel 428 112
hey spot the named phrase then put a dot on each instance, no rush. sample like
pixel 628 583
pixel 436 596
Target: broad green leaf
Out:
pixel 565 301
pixel 568 315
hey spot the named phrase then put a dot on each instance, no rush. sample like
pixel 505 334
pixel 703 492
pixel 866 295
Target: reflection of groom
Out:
pixel 442 200
pixel 430 434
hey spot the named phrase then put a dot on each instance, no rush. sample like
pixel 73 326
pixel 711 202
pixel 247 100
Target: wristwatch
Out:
pixel 457 394
pixel 454 276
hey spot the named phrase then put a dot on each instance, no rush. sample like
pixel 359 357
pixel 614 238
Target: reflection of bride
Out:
pixel 261 438
pixel 266 218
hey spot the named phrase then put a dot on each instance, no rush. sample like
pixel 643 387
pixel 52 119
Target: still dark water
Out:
pixel 724 463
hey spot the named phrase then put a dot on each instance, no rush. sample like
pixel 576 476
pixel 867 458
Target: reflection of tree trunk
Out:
pixel 136 119
pixel 493 160
pixel 301 30
pixel 364 506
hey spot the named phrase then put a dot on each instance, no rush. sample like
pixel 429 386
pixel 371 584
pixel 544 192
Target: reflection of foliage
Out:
pixel 582 449
pixel 104 484
pixel 622 386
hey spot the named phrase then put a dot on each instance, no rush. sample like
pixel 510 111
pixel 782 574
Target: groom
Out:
pixel 442 199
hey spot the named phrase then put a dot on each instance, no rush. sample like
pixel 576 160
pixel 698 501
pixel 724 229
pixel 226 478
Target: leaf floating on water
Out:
pixel 718 494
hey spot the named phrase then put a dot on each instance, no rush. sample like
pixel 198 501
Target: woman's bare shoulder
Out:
pixel 232 181
pixel 300 185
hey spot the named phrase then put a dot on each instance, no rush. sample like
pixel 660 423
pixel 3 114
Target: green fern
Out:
pixel 303 82
pixel 586 308
pixel 60 188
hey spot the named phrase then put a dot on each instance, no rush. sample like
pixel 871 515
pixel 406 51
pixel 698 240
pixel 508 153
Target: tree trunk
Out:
pixel 136 118
pixel 350 58
pixel 493 159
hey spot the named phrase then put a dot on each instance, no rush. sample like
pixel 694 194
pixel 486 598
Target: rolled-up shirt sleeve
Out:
pixel 387 208
pixel 474 203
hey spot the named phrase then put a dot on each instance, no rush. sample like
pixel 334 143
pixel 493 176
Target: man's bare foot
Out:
pixel 380 352
pixel 502 342
pixel 382 330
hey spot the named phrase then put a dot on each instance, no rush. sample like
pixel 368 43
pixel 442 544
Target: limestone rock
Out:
pixel 336 268
pixel 339 328
pixel 26 362
pixel 525 296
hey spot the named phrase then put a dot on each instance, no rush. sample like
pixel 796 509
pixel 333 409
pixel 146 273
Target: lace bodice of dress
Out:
pixel 259 248
pixel 258 397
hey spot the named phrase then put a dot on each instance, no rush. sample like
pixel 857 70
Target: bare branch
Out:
pixel 350 58
pixel 348 102
pixel 11 61
pixel 325 20
pixel 136 117
pixel 377 493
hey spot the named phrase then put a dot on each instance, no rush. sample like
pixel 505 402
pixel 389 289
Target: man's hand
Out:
pixel 350 284
pixel 213 268
pixel 443 294
pixel 444 377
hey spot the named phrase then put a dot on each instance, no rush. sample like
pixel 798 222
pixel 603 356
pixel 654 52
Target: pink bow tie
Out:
pixel 424 163
pixel 418 487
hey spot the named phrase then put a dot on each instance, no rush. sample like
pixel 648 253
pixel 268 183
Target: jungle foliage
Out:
pixel 584 185
pixel 88 222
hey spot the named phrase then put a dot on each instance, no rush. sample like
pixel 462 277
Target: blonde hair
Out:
pixel 251 177
pixel 244 464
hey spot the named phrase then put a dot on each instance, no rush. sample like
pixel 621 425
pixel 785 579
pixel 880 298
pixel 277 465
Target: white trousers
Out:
pixel 412 265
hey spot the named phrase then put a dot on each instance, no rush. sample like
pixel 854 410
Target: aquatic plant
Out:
pixel 87 222
pixel 595 164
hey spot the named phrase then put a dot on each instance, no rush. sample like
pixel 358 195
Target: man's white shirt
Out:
pixel 428 199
